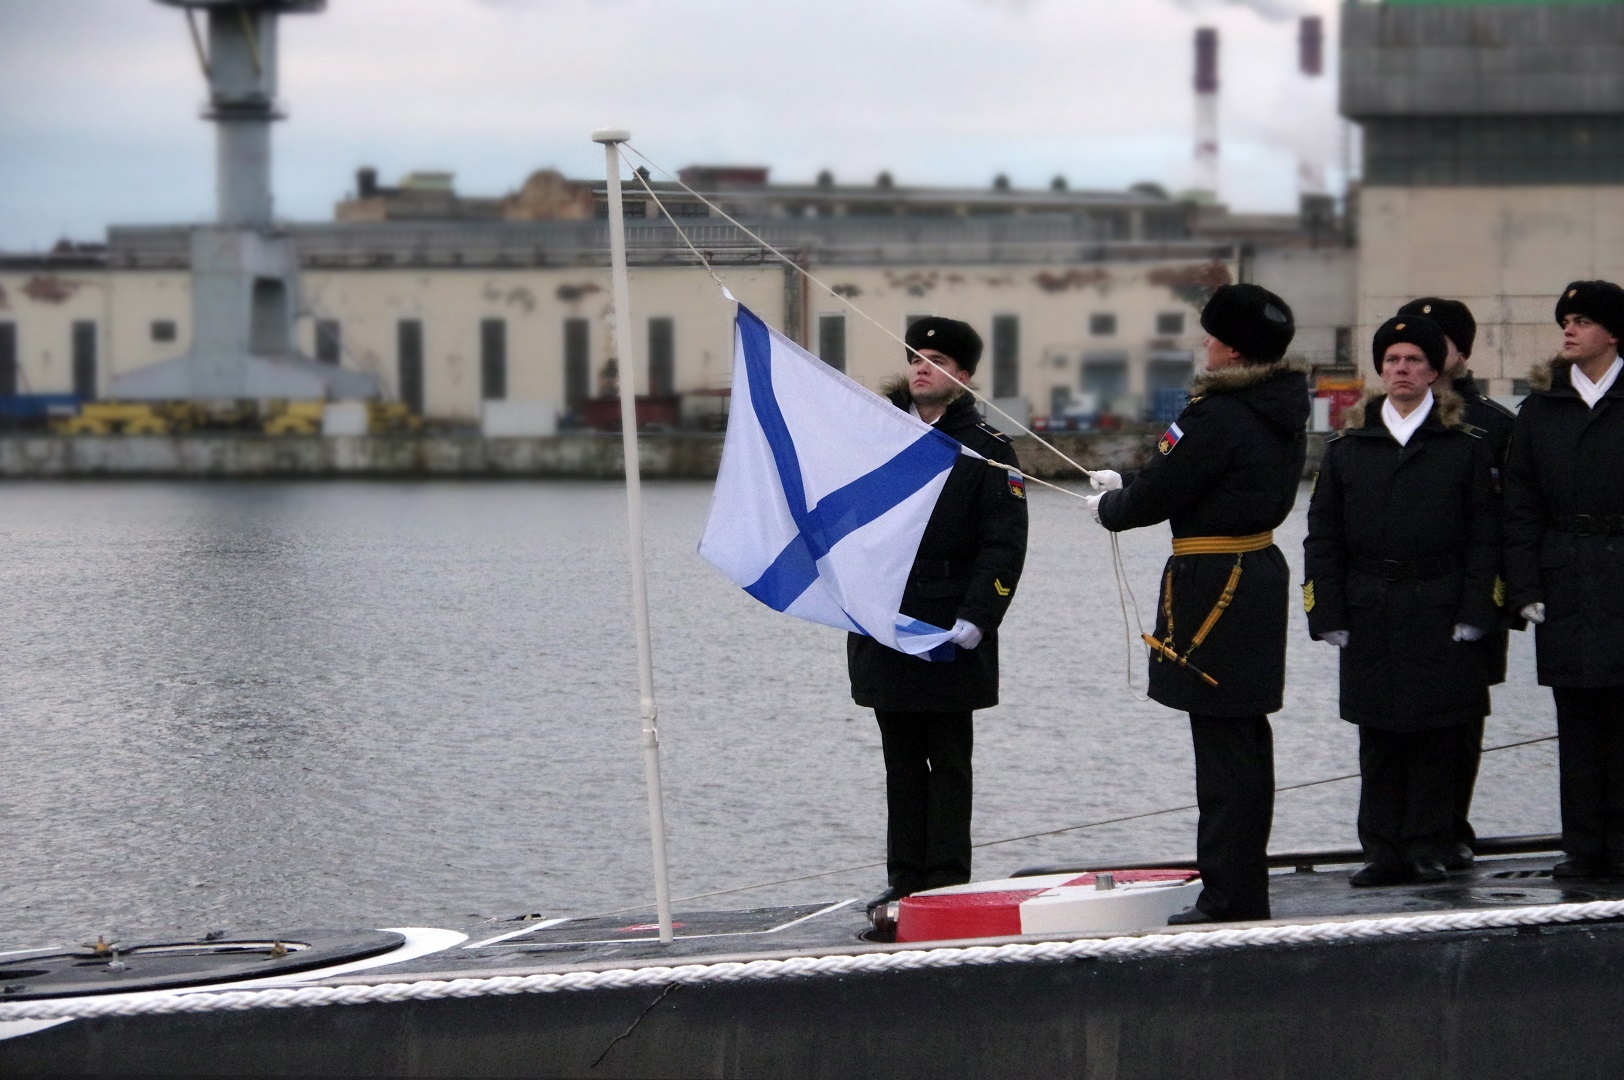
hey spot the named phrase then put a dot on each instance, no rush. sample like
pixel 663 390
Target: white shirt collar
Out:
pixel 1592 391
pixel 1403 427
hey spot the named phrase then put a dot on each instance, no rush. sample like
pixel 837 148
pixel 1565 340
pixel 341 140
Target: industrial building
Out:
pixel 447 315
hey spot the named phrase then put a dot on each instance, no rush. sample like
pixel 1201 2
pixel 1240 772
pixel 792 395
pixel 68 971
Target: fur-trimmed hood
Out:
pixel 1275 393
pixel 1244 377
pixel 1447 406
pixel 1544 375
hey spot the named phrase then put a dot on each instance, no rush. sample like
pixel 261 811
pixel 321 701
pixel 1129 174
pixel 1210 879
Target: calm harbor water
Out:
pixel 262 706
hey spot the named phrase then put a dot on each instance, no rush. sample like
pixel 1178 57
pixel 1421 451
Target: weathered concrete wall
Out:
pixel 205 456
pixel 671 456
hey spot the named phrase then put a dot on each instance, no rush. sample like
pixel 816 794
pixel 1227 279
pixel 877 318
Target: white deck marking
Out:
pixel 531 929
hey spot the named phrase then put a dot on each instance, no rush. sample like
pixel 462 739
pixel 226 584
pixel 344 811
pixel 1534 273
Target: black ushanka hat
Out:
pixel 957 339
pixel 1251 320
pixel 1599 300
pixel 1413 330
pixel 1453 318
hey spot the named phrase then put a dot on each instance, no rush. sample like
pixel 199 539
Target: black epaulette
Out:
pixel 1335 435
pixel 994 432
pixel 1474 432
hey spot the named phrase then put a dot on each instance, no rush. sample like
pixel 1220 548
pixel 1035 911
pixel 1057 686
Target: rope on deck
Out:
pixel 1185 943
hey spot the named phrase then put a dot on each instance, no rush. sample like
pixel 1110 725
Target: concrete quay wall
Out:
pixel 586 456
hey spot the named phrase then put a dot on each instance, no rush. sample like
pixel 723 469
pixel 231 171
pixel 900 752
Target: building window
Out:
pixel 1170 324
pixel 832 340
pixel 409 345
pixel 577 362
pixel 163 329
pixel 1344 346
pixel 84 360
pixel 662 360
pixel 8 359
pixel 492 359
pixel 1520 388
pixel 1167 374
pixel 1102 325
pixel 1105 377
pixel 1006 356
pixel 329 341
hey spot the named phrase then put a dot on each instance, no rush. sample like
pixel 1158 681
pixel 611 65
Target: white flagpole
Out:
pixel 611 138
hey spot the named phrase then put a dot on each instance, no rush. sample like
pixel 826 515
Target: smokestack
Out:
pixel 1206 111
pixel 1311 63
pixel 1311 46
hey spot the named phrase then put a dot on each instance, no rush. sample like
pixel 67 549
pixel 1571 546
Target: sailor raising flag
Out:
pixel 900 520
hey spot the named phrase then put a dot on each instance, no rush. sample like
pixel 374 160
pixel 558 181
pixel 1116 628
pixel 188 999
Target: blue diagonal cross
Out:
pixel 841 512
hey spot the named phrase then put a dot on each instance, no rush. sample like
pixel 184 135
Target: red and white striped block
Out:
pixel 1051 904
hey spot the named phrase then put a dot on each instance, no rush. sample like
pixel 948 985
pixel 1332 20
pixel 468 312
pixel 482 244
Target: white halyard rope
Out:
pixel 1116 553
pixel 1119 948
pixel 813 279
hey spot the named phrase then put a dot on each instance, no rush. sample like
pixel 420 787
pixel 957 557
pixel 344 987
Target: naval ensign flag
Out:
pixel 823 493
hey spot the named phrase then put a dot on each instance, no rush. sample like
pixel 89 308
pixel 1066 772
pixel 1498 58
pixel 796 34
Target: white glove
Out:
pixel 1467 633
pixel 1105 480
pixel 966 635
pixel 1339 638
pixel 1534 613
pixel 1093 504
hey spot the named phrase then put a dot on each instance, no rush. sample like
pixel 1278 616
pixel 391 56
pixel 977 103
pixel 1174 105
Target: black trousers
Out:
pixel 1590 727
pixel 1407 792
pixel 1468 755
pixel 927 797
pixel 1234 788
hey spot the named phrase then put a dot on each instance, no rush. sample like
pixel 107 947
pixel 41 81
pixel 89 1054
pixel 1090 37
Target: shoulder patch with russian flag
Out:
pixel 1017 484
pixel 1171 439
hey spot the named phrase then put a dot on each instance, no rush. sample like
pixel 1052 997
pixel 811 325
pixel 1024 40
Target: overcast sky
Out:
pixel 99 99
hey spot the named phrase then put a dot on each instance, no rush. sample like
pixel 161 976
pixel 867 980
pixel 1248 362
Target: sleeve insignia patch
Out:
pixel 1170 440
pixel 1000 588
pixel 1499 592
pixel 1017 484
pixel 1308 596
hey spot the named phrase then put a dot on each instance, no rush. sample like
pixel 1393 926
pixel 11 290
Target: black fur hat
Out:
pixel 1453 318
pixel 1599 300
pixel 1413 330
pixel 1251 320
pixel 957 339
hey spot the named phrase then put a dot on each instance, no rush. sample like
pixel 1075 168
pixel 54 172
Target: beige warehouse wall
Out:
pixel 1054 304
pixel 534 303
pixel 1505 252
pixel 44 306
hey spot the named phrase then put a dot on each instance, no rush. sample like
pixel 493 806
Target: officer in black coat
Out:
pixel 964 576
pixel 1401 560
pixel 1565 564
pixel 1495 421
pixel 1224 476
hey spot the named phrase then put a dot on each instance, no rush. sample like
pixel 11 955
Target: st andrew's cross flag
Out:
pixel 823 493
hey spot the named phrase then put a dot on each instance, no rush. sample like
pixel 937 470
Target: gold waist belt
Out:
pixel 1222 545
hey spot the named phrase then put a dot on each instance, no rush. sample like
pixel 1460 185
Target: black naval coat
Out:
pixel 1495 421
pixel 1564 515
pixel 1229 466
pixel 968 564
pixel 1490 417
pixel 1403 544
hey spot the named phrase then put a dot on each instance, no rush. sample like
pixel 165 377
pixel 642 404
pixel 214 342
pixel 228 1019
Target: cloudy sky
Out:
pixel 99 99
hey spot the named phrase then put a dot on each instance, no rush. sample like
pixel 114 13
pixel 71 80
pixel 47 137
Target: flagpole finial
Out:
pixel 611 135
